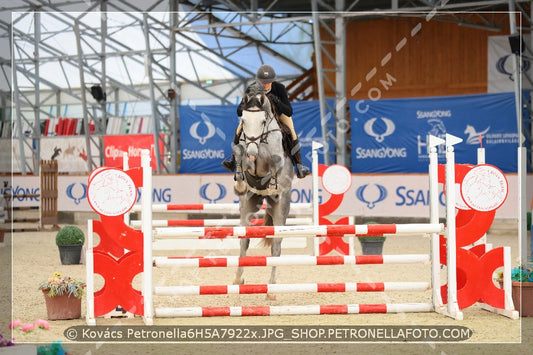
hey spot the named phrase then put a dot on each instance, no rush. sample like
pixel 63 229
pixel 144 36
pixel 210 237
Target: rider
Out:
pixel 280 99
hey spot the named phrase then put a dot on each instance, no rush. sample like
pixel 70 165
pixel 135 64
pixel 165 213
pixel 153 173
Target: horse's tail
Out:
pixel 267 242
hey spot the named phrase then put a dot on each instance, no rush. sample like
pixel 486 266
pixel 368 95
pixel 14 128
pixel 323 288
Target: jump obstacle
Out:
pixel 307 214
pixel 118 267
pixel 48 210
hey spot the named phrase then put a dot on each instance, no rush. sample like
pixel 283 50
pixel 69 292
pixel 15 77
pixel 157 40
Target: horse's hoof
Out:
pixel 270 297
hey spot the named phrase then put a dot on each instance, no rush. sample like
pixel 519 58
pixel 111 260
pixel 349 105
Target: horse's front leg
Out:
pixel 249 204
pixel 275 250
pixel 239 280
pixel 240 185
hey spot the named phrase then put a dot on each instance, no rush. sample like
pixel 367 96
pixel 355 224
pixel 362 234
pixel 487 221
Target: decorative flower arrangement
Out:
pixel 522 274
pixel 6 341
pixel 519 274
pixel 58 285
pixel 52 349
pixel 25 328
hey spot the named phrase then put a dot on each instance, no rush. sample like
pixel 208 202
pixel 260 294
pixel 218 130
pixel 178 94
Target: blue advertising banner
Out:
pixel 207 134
pixel 306 119
pixel 389 136
pixel 206 137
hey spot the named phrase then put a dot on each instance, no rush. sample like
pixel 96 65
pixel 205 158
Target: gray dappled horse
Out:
pixel 264 172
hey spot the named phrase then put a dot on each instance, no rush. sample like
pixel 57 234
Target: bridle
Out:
pixel 268 183
pixel 262 138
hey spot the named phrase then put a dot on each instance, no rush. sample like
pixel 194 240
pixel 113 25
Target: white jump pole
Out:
pixel 291 310
pixel 481 160
pixel 147 280
pixel 315 147
pixel 89 269
pixel 336 230
pixel 451 245
pixel 288 260
pixel 290 288
pixel 434 218
pixel 213 207
pixel 125 167
pixel 212 222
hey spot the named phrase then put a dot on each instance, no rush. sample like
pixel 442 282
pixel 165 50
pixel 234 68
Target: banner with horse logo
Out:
pixel 389 136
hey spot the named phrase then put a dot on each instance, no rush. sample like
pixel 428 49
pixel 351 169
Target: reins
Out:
pixel 263 137
pixel 261 185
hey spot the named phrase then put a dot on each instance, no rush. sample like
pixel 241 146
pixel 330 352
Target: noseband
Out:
pixel 263 136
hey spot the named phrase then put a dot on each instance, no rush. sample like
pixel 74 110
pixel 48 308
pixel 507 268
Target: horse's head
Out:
pixel 256 116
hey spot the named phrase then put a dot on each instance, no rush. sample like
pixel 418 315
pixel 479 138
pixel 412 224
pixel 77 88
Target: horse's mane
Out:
pixel 256 96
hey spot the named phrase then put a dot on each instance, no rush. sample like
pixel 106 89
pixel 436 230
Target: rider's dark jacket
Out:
pixel 278 96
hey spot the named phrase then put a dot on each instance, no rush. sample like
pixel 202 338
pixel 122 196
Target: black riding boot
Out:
pixel 229 163
pixel 296 157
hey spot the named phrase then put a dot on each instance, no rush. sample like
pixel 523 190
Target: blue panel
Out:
pixel 389 136
pixel 206 135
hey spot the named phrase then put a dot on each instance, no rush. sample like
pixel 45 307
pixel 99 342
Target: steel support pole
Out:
pixel 36 131
pixel 83 98
pixel 320 80
pixel 173 98
pixel 341 123
pixel 103 79
pixel 153 104
pixel 522 207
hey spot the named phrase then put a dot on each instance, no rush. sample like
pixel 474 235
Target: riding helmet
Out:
pixel 265 74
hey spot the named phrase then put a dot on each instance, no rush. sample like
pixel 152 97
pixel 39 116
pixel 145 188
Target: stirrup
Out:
pixel 229 164
pixel 302 171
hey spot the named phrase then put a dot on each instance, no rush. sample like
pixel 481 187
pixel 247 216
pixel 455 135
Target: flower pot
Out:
pixel 62 306
pixel 525 308
pixel 372 247
pixel 70 254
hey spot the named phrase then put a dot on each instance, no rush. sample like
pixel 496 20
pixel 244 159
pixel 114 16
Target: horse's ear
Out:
pixel 262 99
pixel 245 98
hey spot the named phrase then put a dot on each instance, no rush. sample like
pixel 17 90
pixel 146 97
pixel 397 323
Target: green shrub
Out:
pixel 70 235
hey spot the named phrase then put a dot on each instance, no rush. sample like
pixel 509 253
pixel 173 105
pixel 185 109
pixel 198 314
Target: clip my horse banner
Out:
pixel 390 136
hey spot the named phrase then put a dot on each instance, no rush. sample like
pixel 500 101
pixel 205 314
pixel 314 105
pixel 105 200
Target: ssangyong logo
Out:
pixel 212 195
pixel 211 130
pixel 504 66
pixel 381 133
pixel 76 193
pixel 369 197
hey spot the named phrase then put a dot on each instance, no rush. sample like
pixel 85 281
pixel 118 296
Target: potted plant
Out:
pixel 62 295
pixel 372 244
pixel 521 280
pixel 70 240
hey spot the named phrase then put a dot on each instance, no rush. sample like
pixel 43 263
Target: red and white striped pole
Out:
pixel 288 260
pixel 292 310
pixel 296 231
pixel 290 288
